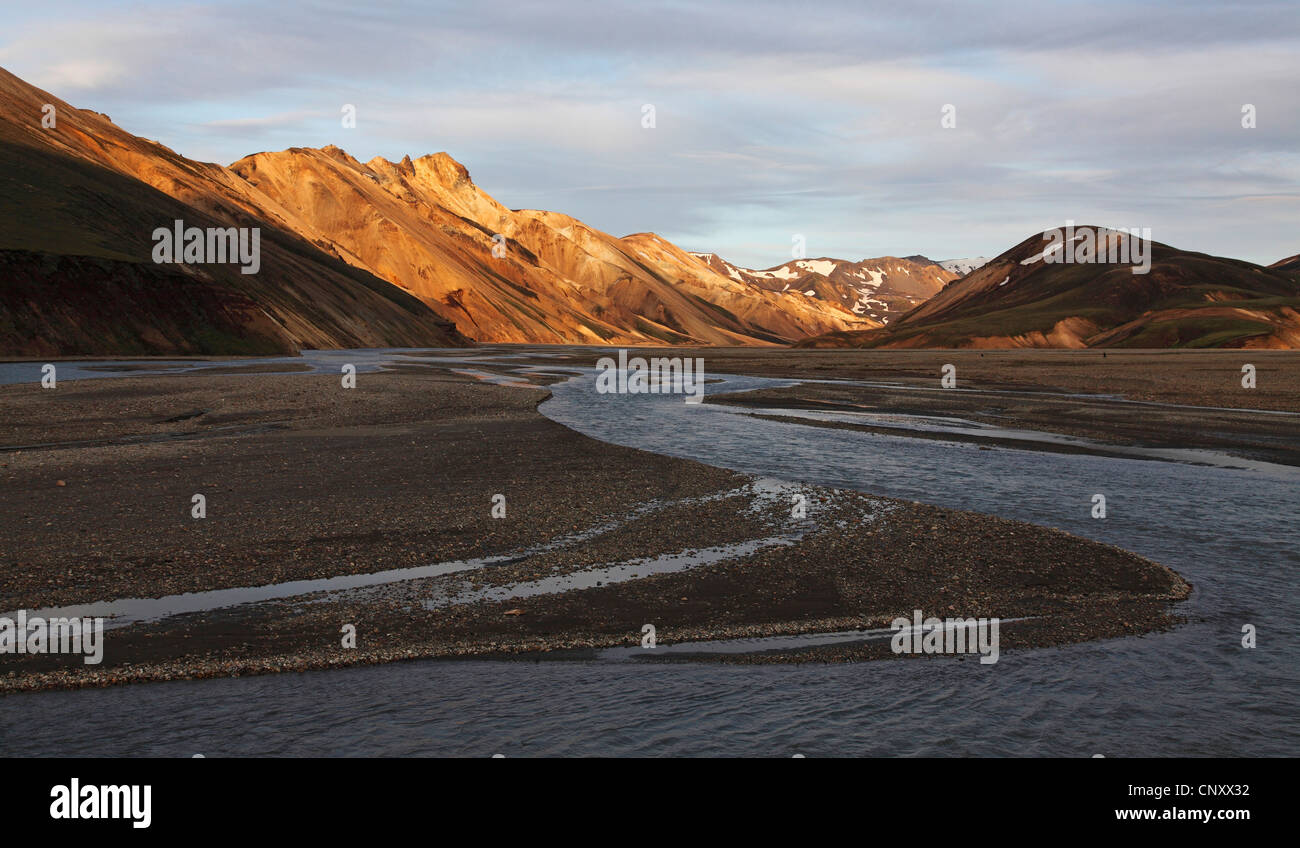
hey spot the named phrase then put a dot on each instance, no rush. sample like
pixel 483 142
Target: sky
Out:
pixel 772 120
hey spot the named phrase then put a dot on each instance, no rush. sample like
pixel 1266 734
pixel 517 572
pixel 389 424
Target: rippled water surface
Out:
pixel 1235 533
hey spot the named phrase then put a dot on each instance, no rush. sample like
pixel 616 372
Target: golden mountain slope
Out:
pixel 424 225
pixel 331 226
pixel 85 190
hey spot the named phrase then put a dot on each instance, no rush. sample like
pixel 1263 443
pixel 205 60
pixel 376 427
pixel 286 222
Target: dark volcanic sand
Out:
pixel 304 479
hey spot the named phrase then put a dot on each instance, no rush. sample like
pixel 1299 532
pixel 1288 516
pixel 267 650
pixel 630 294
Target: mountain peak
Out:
pixel 438 168
pixel 340 155
pixel 445 169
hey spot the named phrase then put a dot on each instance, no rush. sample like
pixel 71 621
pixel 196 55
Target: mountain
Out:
pixel 1024 299
pixel 520 275
pixel 352 255
pixel 1291 264
pixel 788 313
pixel 962 267
pixel 880 289
pixel 79 203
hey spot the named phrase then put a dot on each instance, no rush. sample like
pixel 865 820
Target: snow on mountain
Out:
pixel 962 267
pixel 879 289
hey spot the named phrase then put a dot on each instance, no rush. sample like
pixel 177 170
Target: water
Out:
pixel 1194 691
pixel 309 362
pixel 121 612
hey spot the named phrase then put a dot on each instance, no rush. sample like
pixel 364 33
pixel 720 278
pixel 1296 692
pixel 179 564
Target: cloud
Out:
pixel 822 119
pixel 260 124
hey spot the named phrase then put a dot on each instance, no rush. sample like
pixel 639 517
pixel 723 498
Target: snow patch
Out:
pixel 817 266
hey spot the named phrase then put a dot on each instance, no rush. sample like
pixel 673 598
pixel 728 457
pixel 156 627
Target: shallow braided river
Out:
pixel 1232 531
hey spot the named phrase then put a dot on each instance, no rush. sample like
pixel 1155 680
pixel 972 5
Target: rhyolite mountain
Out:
pixel 880 289
pixel 79 202
pixel 522 275
pixel 1021 299
pixel 408 253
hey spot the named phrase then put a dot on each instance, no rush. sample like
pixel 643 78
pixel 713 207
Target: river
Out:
pixel 1232 531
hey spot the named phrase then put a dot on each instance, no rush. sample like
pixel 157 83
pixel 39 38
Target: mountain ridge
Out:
pixel 357 254
pixel 520 275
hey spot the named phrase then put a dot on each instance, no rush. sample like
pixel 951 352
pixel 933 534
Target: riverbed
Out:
pixel 1230 529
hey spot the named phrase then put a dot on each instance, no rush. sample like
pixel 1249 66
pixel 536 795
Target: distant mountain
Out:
pixel 1023 299
pixel 880 289
pixel 962 267
pixel 79 203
